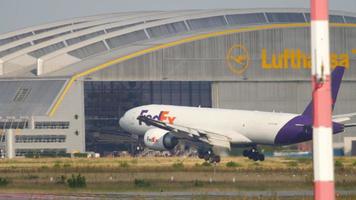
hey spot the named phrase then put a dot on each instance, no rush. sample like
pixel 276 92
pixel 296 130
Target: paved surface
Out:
pixel 162 195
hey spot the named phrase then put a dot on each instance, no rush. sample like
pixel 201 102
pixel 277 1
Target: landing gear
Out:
pixel 209 156
pixel 253 154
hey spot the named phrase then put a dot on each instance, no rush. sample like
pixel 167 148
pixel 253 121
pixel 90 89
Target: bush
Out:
pixel 178 165
pixel 338 164
pixel 232 164
pixel 206 164
pixel 354 163
pixel 77 181
pixel 80 155
pixel 57 165
pixel 66 165
pixel 31 176
pixel 4 181
pixel 198 183
pixel 134 161
pixel 124 164
pixel 61 179
pixel 293 164
pixel 141 183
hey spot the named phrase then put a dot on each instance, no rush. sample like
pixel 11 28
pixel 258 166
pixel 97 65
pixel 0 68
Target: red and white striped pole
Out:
pixel 324 188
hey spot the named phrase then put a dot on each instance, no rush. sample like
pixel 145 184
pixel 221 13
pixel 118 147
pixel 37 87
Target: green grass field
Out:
pixel 50 175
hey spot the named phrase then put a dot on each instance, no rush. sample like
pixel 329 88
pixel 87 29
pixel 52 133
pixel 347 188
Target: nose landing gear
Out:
pixel 254 154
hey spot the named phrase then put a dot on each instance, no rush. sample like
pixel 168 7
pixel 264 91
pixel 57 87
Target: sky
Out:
pixel 16 14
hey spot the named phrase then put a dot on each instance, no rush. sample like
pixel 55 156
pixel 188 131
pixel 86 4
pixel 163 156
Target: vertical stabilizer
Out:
pixel 336 78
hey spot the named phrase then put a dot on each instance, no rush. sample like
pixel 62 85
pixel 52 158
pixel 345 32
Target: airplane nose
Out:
pixel 121 122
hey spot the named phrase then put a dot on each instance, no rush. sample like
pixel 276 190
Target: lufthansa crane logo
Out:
pixel 237 58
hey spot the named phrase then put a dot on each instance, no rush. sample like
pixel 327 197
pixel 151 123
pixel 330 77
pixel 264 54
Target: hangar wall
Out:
pixel 258 70
pixel 207 59
pixel 62 133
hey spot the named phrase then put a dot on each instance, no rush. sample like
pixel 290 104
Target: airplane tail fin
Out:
pixel 336 78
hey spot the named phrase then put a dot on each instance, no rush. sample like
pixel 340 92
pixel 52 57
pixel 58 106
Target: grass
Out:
pixel 232 164
pixel 155 174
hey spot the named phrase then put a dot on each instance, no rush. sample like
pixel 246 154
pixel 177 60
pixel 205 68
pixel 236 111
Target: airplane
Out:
pixel 213 130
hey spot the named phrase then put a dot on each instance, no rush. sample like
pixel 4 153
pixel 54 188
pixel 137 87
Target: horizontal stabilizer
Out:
pixel 343 117
pixel 350 125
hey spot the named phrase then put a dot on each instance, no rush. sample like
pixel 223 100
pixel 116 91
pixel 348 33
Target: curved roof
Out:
pixel 47 50
pixel 61 52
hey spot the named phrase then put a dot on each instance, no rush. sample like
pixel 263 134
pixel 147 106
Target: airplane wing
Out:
pixel 191 134
pixel 343 117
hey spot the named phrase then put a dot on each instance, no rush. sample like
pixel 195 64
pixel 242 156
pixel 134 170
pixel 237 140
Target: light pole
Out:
pixel 324 188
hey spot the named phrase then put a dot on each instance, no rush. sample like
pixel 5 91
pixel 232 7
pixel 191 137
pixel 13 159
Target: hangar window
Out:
pixel 116 28
pixel 46 50
pixel 250 18
pixel 43 152
pixel 14 49
pixel 14 38
pixel 13 124
pixel 167 29
pixel 336 19
pixel 285 17
pixel 350 19
pixel 50 37
pixel 206 22
pixel 332 18
pixel 51 28
pixel 105 102
pixel 88 50
pixel 22 94
pixel 84 28
pixel 40 138
pixel 52 125
pixel 126 39
pixel 84 37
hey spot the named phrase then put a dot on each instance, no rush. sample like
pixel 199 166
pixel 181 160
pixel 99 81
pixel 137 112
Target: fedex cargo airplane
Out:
pixel 214 130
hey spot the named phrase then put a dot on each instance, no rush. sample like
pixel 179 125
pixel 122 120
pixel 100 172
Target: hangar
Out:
pixel 65 83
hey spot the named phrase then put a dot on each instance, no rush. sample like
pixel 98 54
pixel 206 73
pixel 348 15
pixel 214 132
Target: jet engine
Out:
pixel 159 139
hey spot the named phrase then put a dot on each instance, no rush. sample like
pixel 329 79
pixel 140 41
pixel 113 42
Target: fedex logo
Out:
pixel 162 116
pixel 152 140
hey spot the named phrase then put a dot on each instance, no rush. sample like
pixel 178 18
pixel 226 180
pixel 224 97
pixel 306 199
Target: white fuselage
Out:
pixel 242 126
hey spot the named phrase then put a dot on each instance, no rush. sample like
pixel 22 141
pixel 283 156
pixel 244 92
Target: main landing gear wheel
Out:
pixel 209 156
pixel 253 154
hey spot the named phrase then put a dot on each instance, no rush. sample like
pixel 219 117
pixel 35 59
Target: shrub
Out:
pixel 134 161
pixel 124 164
pixel 178 165
pixel 198 183
pixel 80 155
pixel 31 176
pixel 292 164
pixel 66 165
pixel 206 164
pixel 56 165
pixel 354 163
pixel 61 179
pixel 338 164
pixel 4 181
pixel 141 183
pixel 76 181
pixel 232 164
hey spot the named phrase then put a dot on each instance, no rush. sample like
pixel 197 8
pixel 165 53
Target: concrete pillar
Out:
pixel 10 139
pixel 31 124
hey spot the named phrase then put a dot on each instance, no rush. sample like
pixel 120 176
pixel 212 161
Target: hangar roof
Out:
pixel 23 98
pixel 73 48
pixel 48 50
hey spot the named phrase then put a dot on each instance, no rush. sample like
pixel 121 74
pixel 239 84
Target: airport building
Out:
pixel 64 85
